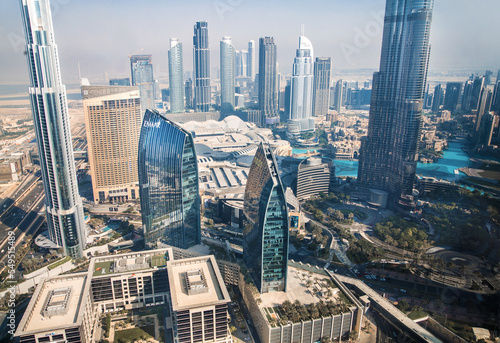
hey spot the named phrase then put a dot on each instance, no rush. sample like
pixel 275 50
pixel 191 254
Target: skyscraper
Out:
pixel 141 67
pixel 241 63
pixel 389 153
pixel 438 98
pixel 227 74
pixel 63 206
pixel 268 80
pixel 120 82
pixel 175 76
pixel 452 96
pixel 338 95
pixel 168 183
pixel 251 60
pixel 113 122
pixel 201 60
pixel 300 119
pixel 189 93
pixel 265 236
pixel 321 89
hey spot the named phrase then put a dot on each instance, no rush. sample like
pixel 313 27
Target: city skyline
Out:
pixel 97 56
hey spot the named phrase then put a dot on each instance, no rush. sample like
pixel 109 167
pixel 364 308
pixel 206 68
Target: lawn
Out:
pixel 158 261
pixel 102 268
pixel 132 335
pixel 58 263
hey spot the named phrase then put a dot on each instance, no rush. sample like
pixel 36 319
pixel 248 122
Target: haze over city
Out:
pixel 102 34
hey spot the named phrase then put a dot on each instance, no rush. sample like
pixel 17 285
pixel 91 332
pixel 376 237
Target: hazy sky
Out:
pixel 100 34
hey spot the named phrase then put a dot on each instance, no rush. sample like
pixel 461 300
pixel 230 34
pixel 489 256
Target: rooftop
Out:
pixel 196 282
pixel 56 304
pixel 305 286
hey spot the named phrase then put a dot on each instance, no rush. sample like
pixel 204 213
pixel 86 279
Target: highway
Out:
pixel 22 218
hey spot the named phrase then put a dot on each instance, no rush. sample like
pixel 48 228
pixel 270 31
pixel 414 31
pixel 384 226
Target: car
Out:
pixel 247 338
pixel 403 290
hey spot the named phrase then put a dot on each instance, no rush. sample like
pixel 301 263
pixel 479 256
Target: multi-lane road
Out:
pixel 21 215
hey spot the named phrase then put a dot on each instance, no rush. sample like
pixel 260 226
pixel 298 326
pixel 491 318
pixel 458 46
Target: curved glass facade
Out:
pixel 168 183
pixel 265 236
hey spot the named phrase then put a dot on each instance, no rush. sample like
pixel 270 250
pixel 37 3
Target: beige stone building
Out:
pixel 113 120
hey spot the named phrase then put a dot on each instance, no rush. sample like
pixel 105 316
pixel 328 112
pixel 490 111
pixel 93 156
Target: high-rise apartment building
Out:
pixel 321 89
pixel 113 121
pixel 268 80
pixel 388 159
pixel 265 236
pixel 63 206
pixel 452 96
pixel 141 68
pixel 301 119
pixel 251 60
pixel 201 60
pixel 227 75
pixel 175 76
pixel 168 183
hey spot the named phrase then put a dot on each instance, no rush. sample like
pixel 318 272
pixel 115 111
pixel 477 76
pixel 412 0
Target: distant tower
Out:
pixel 168 183
pixel 338 95
pixel 241 63
pixel 321 90
pixel 301 119
pixel 201 60
pixel 485 131
pixel 452 96
pixel 227 75
pixel 268 80
pixel 251 60
pixel 388 160
pixel 113 138
pixel 189 93
pixel 63 206
pixel 141 67
pixel 438 98
pixel 265 236
pixel 175 76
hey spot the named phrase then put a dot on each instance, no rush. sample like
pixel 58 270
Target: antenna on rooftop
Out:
pixel 302 29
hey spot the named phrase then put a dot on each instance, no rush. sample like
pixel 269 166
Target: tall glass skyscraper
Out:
pixel 321 90
pixel 251 60
pixel 301 119
pixel 64 211
pixel 268 80
pixel 168 183
pixel 201 60
pixel 389 154
pixel 175 76
pixel 265 236
pixel 227 74
pixel 141 67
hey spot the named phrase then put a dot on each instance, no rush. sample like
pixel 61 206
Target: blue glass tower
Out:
pixel 265 236
pixel 141 67
pixel 175 75
pixel 389 154
pixel 168 183
pixel 64 210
